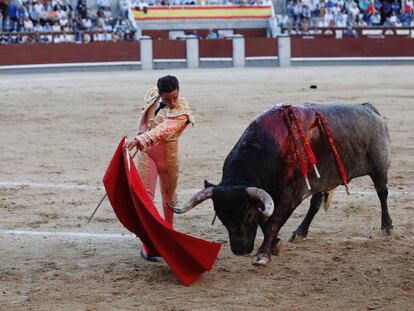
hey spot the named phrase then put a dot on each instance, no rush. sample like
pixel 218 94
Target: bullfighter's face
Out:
pixel 170 99
pixel 239 214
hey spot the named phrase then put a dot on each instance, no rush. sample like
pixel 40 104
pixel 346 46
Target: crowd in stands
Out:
pixel 303 14
pixel 143 4
pixel 35 19
pixel 73 21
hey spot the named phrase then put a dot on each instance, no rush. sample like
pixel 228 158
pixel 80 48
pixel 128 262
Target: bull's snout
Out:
pixel 241 247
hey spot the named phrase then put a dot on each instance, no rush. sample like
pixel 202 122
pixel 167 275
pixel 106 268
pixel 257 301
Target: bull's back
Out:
pixel 360 135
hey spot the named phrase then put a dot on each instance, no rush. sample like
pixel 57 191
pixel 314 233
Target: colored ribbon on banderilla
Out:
pixel 304 155
pixel 339 165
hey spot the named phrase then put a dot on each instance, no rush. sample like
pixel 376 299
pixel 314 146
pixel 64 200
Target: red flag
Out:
pixel 187 256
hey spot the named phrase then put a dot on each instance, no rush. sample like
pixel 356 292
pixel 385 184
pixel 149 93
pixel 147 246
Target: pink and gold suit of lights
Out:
pixel 158 135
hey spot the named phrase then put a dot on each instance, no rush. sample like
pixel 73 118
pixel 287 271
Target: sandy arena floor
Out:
pixel 58 133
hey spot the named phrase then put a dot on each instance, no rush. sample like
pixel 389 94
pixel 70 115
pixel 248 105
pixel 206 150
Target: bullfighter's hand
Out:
pixel 134 143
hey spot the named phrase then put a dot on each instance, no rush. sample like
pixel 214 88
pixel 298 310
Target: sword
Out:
pixel 105 195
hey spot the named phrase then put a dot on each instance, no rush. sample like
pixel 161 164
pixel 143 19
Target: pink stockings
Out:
pixel 161 160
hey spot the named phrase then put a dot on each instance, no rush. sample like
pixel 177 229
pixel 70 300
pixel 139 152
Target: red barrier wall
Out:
pixel 156 34
pixel 215 48
pixel 251 33
pixel 352 47
pixel 21 54
pixel 260 47
pixel 168 49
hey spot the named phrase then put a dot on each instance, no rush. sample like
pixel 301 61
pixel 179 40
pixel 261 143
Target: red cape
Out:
pixel 187 256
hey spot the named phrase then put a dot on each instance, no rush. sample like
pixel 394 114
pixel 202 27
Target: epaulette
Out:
pixel 182 109
pixel 151 94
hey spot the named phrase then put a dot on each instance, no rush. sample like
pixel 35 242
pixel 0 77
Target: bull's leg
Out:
pixel 271 243
pixel 302 231
pixel 380 183
pixel 276 246
pixel 264 253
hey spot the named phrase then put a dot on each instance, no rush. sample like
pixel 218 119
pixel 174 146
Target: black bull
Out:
pixel 262 183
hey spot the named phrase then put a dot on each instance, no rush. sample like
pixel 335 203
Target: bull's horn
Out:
pixel 264 197
pixel 196 199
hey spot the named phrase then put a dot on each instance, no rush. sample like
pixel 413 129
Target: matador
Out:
pixel 164 117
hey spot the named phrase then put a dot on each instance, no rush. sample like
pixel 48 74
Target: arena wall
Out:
pixel 164 49
pixel 23 54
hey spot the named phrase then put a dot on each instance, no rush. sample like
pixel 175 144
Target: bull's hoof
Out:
pixel 261 260
pixel 297 238
pixel 277 248
pixel 387 232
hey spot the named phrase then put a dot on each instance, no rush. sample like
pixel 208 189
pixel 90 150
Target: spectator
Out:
pixel 398 23
pixel 283 21
pixel 396 7
pixel 409 7
pixel 28 25
pixel 306 14
pixel 375 19
pixel 393 18
pixel 125 5
pixel 297 12
pixel 329 4
pixel 378 5
pixel 212 34
pixel 315 8
pixel 328 18
pixel 336 9
pixel 386 9
pixel 341 20
pixel 348 4
pixel 142 6
pixel 404 18
pixel 82 9
pixel 103 4
pixel 47 27
pixel 38 27
pixel 86 23
pixel 360 21
pixel 388 23
pixel 363 5
pixel 12 12
pixel 56 27
pixel 194 33
pixel 354 11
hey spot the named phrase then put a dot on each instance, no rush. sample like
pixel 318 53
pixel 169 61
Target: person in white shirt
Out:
pixel 393 18
pixel 328 18
pixel 341 21
pixel 28 25
pixel 38 28
pixel 375 19
pixel 354 10
pixel 142 5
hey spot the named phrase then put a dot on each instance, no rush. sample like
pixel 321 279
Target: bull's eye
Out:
pixel 249 215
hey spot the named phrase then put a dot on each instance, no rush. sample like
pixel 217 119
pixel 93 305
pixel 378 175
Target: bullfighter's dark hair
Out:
pixel 167 84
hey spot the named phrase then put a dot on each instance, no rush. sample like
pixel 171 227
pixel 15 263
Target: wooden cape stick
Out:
pixel 104 196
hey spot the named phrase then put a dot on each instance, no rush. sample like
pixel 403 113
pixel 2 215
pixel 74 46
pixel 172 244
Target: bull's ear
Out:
pixel 208 185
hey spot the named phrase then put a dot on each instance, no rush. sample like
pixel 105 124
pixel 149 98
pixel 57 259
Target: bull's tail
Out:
pixel 327 198
pixel 372 107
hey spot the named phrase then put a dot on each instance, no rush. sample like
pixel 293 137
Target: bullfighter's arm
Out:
pixel 162 131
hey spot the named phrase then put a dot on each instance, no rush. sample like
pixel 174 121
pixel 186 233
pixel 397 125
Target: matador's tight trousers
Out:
pixel 161 160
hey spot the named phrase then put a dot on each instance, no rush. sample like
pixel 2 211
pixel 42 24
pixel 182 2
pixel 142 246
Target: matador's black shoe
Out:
pixel 144 254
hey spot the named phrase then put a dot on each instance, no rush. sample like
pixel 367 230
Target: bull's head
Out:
pixel 239 208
